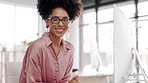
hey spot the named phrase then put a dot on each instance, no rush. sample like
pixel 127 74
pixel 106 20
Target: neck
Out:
pixel 56 40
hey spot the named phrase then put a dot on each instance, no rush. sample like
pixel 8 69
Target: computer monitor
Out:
pixel 123 44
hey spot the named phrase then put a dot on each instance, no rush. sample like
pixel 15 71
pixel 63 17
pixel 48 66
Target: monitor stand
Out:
pixel 132 75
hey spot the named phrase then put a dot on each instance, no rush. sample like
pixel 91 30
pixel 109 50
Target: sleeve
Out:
pixel 33 68
pixel 68 72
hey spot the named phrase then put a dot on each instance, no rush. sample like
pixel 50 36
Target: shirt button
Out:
pixel 56 71
pixel 55 77
pixel 54 81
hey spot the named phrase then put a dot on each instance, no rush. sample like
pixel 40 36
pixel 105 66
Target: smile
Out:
pixel 59 29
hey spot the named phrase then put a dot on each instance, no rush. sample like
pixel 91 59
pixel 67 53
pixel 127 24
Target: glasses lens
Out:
pixel 55 20
pixel 65 20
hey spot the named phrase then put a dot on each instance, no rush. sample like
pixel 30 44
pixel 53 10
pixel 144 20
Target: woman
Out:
pixel 49 59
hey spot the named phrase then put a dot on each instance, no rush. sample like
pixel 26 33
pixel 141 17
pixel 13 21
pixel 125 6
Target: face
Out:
pixel 58 22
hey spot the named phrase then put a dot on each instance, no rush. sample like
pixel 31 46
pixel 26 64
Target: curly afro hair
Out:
pixel 74 8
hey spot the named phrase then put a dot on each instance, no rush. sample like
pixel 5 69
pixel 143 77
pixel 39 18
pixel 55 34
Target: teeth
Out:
pixel 60 30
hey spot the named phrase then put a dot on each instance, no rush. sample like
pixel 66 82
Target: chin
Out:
pixel 59 35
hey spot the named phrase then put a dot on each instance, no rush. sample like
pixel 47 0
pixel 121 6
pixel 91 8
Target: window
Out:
pixel 105 32
pixel 19 25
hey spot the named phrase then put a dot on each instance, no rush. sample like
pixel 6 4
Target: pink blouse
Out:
pixel 41 65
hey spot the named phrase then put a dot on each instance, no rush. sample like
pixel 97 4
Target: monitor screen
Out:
pixel 123 44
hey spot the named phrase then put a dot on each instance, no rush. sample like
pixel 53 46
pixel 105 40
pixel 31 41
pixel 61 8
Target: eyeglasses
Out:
pixel 56 20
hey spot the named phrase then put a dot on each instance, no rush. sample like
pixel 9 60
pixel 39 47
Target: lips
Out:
pixel 60 30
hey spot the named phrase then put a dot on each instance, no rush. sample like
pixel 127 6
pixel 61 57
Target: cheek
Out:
pixel 66 28
pixel 52 25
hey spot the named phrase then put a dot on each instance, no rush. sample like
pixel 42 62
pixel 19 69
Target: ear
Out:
pixel 47 23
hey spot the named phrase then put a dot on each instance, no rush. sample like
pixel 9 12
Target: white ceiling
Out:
pixel 31 3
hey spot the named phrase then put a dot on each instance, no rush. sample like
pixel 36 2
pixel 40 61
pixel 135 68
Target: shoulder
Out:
pixel 35 50
pixel 69 45
pixel 37 44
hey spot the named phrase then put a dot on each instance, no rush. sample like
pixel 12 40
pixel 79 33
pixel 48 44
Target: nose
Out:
pixel 60 23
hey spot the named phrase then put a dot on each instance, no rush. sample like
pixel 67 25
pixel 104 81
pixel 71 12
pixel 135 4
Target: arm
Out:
pixel 33 65
pixel 33 71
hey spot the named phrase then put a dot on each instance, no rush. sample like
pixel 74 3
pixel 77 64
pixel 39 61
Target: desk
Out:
pixel 95 78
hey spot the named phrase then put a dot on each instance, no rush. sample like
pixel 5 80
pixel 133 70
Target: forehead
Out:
pixel 59 12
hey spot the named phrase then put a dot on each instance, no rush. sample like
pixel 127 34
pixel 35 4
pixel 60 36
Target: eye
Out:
pixel 55 19
pixel 65 20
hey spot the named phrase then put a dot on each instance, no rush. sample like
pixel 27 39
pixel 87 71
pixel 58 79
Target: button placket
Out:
pixel 56 71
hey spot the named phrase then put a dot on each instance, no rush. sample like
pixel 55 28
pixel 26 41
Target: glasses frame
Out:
pixel 62 20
